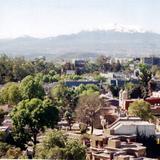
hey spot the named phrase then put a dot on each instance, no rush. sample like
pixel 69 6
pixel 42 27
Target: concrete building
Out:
pixel 119 140
pixel 131 126
pixel 115 148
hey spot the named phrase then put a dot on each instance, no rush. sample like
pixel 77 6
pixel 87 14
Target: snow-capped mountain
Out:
pixel 116 41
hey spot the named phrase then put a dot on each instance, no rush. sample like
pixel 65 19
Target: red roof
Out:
pixel 152 100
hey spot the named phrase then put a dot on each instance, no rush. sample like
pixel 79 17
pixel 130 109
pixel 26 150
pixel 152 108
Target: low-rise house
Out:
pixel 131 126
pixel 115 147
pixel 119 140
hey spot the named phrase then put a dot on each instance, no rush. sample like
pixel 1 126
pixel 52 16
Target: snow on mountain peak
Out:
pixel 124 28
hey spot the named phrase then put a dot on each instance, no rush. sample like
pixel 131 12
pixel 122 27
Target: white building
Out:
pixel 132 126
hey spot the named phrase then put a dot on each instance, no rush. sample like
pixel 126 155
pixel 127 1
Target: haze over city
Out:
pixel 44 18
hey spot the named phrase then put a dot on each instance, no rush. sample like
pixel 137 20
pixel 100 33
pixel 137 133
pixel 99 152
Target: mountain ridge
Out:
pixel 110 42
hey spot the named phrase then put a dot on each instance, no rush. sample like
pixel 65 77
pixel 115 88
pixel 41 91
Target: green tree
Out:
pixel 5 69
pixel 87 89
pixel 33 116
pixel 141 109
pixel 10 93
pixel 129 86
pixel 52 72
pixel 53 139
pixel 56 145
pixel 21 68
pixel 91 67
pixel 100 78
pixel 31 87
pixel 52 146
pixel 75 151
pixel 66 98
pixel 15 69
pixel 144 76
pixel 58 91
pixel 71 99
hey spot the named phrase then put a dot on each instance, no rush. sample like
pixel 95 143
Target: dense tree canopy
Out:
pixel 65 97
pixel 57 146
pixel 15 69
pixel 10 93
pixel 31 87
pixel 87 89
pixel 29 117
pixel 141 109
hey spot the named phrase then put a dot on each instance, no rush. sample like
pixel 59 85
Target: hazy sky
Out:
pixel 42 18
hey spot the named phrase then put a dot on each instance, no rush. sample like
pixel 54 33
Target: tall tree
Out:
pixel 33 116
pixel 66 98
pixel 86 109
pixel 144 76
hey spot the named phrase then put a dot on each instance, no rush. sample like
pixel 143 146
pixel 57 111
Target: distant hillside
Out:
pixel 85 44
